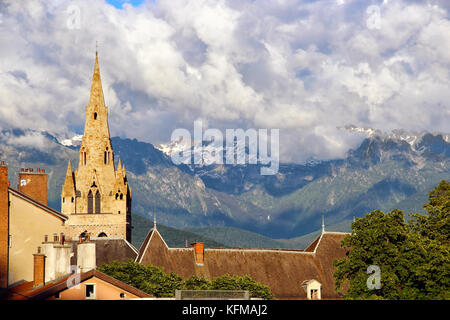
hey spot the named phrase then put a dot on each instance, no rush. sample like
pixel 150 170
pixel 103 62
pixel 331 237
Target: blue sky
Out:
pixel 119 3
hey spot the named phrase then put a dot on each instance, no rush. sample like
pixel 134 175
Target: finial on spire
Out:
pixel 323 223
pixel 96 48
pixel 154 220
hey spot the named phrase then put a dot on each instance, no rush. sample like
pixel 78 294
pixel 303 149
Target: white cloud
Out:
pixel 303 67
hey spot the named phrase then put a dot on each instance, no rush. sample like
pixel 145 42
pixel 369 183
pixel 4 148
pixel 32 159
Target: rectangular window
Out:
pixel 90 290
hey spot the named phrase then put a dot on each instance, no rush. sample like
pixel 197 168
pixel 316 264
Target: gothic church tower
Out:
pixel 96 197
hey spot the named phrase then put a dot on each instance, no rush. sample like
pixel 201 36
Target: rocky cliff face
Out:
pixel 386 171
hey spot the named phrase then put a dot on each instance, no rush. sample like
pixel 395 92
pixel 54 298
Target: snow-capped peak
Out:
pixel 410 137
pixel 75 141
pixel 207 152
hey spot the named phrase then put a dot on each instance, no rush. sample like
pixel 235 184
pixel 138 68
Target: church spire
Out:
pixel 96 97
pixel 96 149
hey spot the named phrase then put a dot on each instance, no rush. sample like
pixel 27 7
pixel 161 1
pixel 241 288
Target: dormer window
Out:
pixel 313 289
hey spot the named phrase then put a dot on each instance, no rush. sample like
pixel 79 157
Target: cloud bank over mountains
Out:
pixel 304 67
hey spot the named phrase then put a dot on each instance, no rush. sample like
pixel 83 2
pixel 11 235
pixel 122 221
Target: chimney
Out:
pixel 39 268
pixel 57 257
pixel 86 256
pixel 4 225
pixel 34 184
pixel 199 252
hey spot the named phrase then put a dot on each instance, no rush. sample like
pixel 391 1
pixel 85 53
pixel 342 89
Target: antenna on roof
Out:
pixel 323 223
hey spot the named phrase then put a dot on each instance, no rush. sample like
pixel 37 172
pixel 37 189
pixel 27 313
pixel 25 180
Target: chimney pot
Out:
pixel 199 252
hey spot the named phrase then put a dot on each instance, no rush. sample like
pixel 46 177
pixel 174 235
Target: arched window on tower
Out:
pixel 95 115
pixel 102 234
pixel 97 202
pixel 83 156
pixel 106 157
pixel 90 206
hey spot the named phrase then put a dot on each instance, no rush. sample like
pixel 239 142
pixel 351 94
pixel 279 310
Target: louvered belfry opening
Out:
pixel 90 202
pixel 97 202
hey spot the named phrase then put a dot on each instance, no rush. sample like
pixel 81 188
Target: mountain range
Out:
pixel 388 170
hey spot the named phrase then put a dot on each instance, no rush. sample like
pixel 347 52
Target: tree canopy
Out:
pixel 412 257
pixel 154 281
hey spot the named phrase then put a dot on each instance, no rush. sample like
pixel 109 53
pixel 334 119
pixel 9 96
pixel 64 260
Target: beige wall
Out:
pixel 104 291
pixel 28 225
pixel 114 225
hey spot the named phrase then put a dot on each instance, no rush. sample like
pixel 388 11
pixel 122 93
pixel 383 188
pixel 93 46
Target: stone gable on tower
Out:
pixel 96 196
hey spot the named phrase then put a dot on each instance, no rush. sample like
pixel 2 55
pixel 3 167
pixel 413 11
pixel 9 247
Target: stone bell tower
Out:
pixel 96 196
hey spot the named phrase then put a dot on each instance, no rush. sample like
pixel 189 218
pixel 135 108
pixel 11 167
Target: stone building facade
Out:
pixel 96 197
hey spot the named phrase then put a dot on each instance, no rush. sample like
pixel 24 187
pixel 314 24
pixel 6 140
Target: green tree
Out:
pixel 154 281
pixel 228 282
pixel 436 223
pixel 376 239
pixel 413 257
pixel 196 283
pixel 150 279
